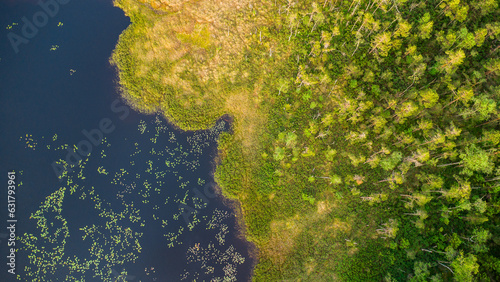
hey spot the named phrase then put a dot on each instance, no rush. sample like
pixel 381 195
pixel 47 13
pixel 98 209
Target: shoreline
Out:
pixel 232 203
pixel 235 205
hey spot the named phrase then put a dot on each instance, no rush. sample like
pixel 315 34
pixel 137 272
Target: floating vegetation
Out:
pixel 10 26
pixel 201 182
pixel 72 71
pixel 60 24
pixel 29 141
pixel 126 198
pixel 211 257
pixel 47 248
pixel 102 170
pixel 54 47
pixel 142 126
pixel 217 222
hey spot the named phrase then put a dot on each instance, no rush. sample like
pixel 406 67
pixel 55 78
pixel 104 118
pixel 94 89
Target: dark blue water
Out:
pixel 137 192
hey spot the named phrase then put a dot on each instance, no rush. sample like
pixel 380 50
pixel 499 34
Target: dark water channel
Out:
pixel 103 193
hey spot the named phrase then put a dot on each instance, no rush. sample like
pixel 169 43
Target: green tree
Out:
pixel 428 98
pixel 465 267
pixel 421 272
pixel 476 159
pixel 389 163
pixel 493 67
pixel 382 44
pixel 450 63
pixel 485 6
pixel 279 153
pixel 478 240
pixel 425 26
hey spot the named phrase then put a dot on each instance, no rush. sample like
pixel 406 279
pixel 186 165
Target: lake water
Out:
pixel 136 201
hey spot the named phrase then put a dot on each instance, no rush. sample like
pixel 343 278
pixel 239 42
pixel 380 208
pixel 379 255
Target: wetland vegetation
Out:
pixel 135 207
pixel 366 138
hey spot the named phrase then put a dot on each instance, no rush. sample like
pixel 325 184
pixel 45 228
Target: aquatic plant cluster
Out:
pixel 211 256
pixel 124 195
pixel 30 28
